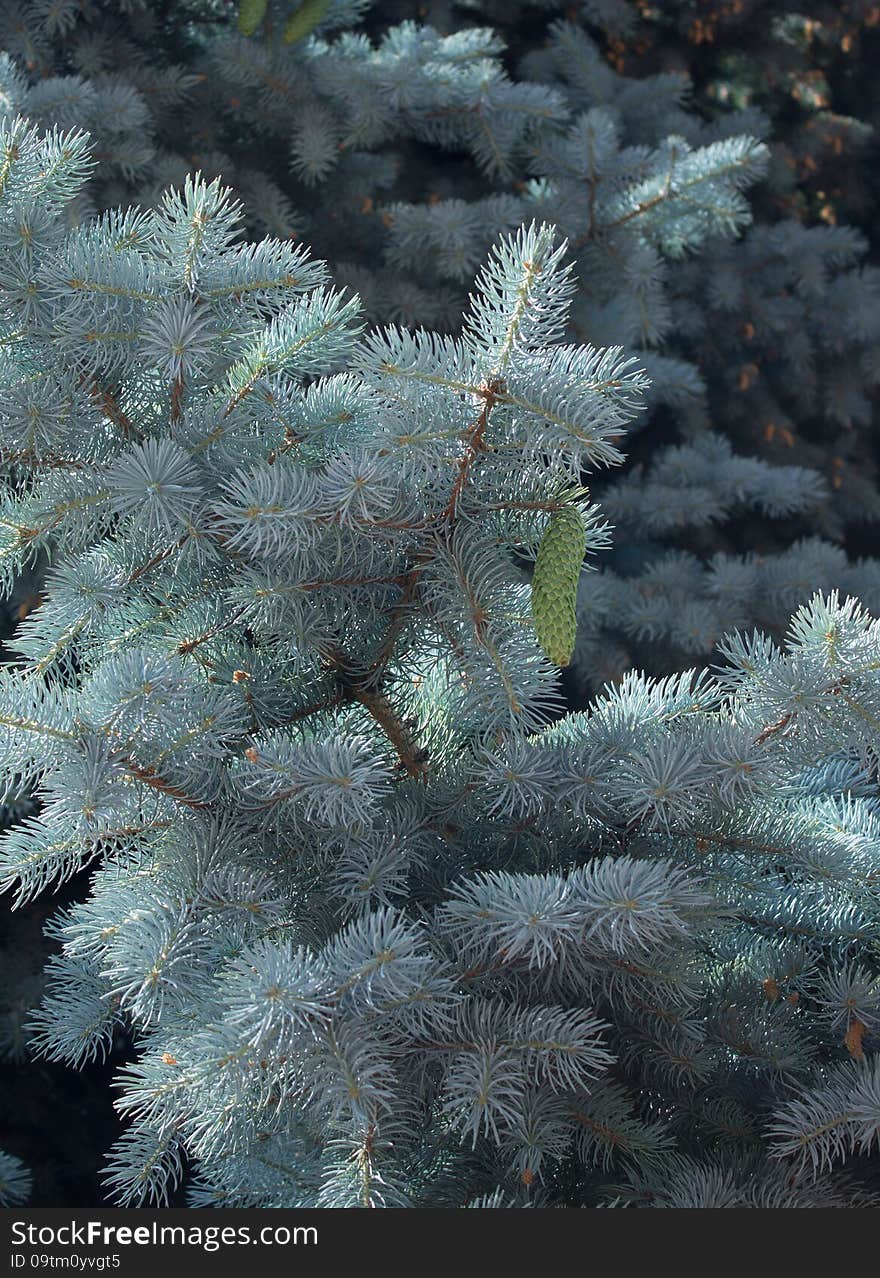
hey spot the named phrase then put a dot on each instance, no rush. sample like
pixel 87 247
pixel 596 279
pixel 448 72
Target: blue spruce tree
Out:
pixel 384 924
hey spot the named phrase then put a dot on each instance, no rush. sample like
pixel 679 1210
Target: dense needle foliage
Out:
pixel 380 908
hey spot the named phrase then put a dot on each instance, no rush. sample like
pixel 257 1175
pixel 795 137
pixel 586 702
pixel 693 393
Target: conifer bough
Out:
pixel 380 927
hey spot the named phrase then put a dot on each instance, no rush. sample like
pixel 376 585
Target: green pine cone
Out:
pixel 554 583
pixel 250 14
pixel 304 19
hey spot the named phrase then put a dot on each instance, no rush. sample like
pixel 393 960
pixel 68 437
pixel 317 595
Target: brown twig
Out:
pixel 110 408
pixel 413 758
pixel 150 777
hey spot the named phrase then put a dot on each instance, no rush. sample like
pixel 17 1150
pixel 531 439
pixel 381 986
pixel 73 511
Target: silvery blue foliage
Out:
pixel 15 1181
pixel 761 343
pixel 402 147
pixel 385 926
